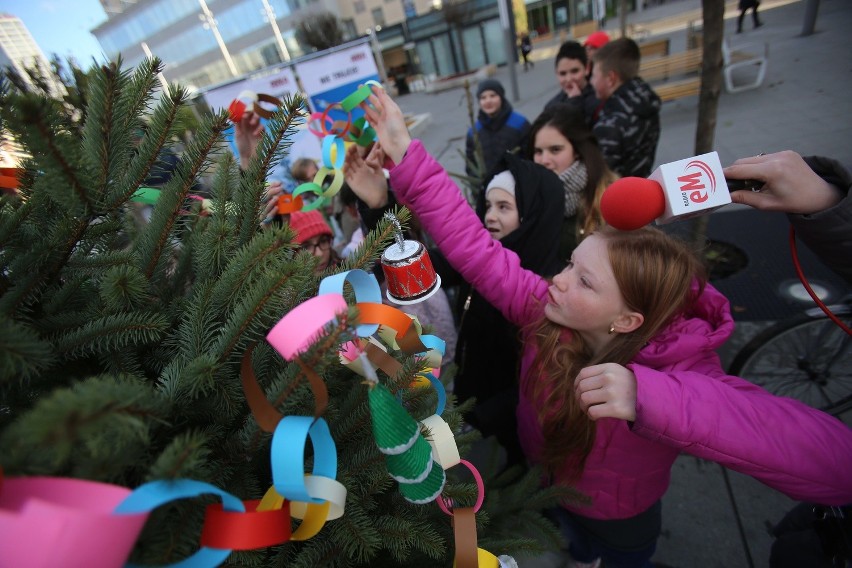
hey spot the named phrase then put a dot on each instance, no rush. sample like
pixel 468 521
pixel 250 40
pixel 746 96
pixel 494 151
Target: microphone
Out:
pixel 674 192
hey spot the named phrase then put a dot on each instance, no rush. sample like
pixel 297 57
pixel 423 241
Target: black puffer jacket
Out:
pixel 628 128
pixel 505 131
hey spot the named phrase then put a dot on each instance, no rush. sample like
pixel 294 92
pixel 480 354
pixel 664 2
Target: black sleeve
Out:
pixel 828 233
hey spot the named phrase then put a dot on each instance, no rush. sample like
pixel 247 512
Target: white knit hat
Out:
pixel 504 180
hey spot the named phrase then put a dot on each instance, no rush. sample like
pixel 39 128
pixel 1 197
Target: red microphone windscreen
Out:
pixel 632 202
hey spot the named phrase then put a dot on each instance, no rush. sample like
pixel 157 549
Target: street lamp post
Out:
pixel 210 22
pixel 377 52
pixel 270 15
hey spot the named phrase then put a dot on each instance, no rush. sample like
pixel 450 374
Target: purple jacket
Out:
pixel 685 402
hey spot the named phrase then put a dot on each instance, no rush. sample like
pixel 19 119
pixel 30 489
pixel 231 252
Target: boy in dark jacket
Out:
pixel 628 122
pixel 498 127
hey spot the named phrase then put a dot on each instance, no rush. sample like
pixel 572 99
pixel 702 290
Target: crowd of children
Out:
pixel 594 358
pixel 618 370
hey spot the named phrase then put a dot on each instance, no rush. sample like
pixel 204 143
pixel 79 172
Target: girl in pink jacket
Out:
pixel 619 373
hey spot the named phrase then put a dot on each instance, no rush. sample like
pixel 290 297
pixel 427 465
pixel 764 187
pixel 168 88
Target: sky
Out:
pixel 61 26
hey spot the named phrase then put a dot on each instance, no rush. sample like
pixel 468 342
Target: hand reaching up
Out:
pixel 247 134
pixel 385 116
pixel 790 185
pixel 365 176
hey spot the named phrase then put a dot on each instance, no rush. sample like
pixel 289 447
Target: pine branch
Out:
pixel 23 354
pixel 103 133
pixel 112 332
pixel 73 425
pixel 273 145
pixel 36 119
pixel 215 246
pixel 156 137
pixel 184 458
pixel 269 250
pixel 153 242
pixel 137 98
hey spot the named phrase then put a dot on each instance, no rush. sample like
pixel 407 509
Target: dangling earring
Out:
pixel 612 329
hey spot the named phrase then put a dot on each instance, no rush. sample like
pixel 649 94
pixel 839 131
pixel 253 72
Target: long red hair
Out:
pixel 655 273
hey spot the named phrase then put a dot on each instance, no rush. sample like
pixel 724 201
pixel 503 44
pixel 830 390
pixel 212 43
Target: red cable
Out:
pixel 795 255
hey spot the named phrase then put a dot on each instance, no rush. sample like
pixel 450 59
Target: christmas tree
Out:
pixel 121 341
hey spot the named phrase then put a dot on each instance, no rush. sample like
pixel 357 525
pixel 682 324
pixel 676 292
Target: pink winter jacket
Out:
pixel 685 402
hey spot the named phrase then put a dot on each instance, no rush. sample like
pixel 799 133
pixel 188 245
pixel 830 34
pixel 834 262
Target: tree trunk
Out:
pixel 622 15
pixel 711 84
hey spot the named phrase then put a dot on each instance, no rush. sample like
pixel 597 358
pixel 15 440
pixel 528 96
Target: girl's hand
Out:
pixel 385 116
pixel 607 390
pixel 574 90
pixel 365 177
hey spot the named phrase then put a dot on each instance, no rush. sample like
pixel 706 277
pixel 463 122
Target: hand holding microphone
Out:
pixel 790 185
pixel 694 186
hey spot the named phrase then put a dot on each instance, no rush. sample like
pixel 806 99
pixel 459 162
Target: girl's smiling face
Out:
pixel 571 72
pixel 552 150
pixel 585 296
pixel 501 213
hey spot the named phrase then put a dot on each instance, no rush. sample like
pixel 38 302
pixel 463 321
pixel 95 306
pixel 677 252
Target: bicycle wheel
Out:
pixel 807 358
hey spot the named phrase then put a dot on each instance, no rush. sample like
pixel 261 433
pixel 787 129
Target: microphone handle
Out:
pixel 739 184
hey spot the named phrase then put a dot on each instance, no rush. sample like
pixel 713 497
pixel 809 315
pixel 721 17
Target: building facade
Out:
pixel 207 42
pixel 19 51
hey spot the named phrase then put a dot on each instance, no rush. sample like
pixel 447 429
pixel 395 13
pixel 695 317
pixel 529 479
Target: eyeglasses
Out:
pixel 323 244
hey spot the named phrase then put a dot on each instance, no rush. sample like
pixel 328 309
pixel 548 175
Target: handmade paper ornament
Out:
pixel 408 454
pixel 408 270
pixel 43 519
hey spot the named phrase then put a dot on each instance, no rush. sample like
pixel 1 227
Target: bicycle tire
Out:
pixel 808 358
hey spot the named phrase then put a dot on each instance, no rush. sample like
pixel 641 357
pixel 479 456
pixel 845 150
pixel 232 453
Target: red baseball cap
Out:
pixel 597 40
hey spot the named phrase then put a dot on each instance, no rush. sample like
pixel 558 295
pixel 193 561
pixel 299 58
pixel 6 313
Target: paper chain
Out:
pixel 416 463
pixel 333 135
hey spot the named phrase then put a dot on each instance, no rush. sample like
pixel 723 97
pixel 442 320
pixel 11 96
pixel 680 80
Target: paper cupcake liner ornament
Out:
pixel 412 465
pixel 407 453
pixel 394 429
pixel 427 490
pixel 408 270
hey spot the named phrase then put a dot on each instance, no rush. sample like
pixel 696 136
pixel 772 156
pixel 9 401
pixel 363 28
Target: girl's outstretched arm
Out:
pixel 422 184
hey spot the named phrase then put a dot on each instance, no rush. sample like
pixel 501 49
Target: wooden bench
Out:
pixel 653 48
pixel 661 68
pixel 685 64
pixel 672 90
pixel 583 29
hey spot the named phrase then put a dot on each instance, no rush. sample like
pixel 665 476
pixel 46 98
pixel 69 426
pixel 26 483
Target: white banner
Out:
pixel 331 78
pixel 278 84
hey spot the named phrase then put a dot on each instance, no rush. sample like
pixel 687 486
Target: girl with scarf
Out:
pixel 561 141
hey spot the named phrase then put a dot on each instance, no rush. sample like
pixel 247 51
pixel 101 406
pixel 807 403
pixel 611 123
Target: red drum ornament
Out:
pixel 408 270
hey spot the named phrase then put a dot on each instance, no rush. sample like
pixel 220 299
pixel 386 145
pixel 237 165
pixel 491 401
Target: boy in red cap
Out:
pixel 595 41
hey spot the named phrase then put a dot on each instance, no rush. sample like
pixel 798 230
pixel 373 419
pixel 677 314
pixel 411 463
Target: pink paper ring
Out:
pixel 44 519
pixel 479 485
pixel 322 118
pixel 301 326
